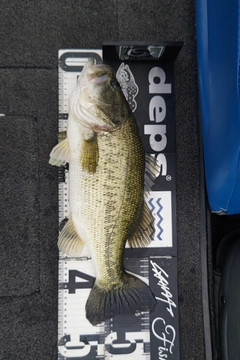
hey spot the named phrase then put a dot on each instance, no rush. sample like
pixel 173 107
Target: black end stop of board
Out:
pixel 141 50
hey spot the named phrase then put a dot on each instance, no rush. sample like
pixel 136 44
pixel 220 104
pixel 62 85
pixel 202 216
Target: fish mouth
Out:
pixel 99 75
pixel 83 102
pixel 96 73
pixel 93 68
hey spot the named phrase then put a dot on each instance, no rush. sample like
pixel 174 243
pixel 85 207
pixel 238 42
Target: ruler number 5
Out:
pixel 116 343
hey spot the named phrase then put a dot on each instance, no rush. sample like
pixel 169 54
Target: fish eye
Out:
pixel 115 84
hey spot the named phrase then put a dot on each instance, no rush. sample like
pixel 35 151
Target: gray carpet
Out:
pixel 31 33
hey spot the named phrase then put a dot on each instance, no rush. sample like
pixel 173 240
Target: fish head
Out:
pixel 98 101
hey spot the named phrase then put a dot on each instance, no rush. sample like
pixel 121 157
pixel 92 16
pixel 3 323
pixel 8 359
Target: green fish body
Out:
pixel 106 174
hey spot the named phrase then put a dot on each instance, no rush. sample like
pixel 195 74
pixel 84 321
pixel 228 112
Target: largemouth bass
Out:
pixel 106 198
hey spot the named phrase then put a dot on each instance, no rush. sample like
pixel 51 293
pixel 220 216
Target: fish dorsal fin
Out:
pixel 69 241
pixel 60 153
pixel 89 153
pixel 140 237
pixel 152 170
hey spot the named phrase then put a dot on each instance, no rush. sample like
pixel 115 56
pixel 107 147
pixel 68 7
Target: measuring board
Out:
pixel 142 335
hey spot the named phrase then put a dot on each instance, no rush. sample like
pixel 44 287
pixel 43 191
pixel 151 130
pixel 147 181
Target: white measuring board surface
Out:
pixel 137 336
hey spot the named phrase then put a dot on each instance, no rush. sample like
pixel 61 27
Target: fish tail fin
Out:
pixel 131 296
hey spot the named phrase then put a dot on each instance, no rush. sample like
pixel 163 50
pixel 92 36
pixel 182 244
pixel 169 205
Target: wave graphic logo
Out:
pixel 160 205
pixel 128 84
pixel 156 208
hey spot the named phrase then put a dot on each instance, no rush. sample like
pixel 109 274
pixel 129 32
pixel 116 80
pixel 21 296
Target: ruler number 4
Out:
pixel 73 285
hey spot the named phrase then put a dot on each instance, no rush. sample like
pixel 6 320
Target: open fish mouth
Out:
pixel 96 73
pixel 99 75
pixel 92 67
pixel 99 80
pixel 94 101
pixel 87 98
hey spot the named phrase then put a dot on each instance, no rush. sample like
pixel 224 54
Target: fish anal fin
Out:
pixel 59 155
pixel 90 154
pixel 69 242
pixel 140 236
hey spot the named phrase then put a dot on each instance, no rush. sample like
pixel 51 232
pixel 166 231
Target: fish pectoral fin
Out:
pixel 141 235
pixel 69 241
pixel 59 155
pixel 90 154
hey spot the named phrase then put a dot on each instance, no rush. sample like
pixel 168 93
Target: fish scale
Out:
pixel 99 192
